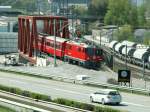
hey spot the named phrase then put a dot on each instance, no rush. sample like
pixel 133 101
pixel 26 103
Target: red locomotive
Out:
pixel 71 51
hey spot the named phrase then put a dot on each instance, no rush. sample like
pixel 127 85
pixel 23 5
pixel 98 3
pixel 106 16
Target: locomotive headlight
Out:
pixel 94 57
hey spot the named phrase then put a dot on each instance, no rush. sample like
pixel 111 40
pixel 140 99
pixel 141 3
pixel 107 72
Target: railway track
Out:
pixel 138 70
pixel 118 61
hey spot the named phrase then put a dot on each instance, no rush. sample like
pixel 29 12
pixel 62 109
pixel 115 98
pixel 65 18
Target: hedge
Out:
pixel 62 101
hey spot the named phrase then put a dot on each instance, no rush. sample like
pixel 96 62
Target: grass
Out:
pixel 4 109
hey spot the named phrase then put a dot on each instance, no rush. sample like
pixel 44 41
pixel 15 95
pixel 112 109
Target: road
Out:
pixel 55 89
pixel 66 70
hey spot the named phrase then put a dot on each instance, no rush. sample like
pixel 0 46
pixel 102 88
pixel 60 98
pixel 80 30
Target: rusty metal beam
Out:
pixel 28 34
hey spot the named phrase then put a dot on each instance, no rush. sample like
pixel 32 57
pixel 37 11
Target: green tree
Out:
pixel 141 15
pixel 147 5
pixel 121 12
pixel 125 33
pixel 147 38
pixel 79 10
pixel 147 13
pixel 98 8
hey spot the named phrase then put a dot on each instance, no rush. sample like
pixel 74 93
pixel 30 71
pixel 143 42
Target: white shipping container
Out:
pixel 112 43
pixel 139 53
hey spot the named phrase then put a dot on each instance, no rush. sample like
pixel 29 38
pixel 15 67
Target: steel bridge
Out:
pixel 29 30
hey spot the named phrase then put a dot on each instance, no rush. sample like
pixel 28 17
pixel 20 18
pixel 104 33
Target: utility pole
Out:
pixel 55 64
pixel 50 2
pixel 113 59
pixel 144 74
pixel 126 57
pixel 63 8
pixel 100 36
pixel 72 20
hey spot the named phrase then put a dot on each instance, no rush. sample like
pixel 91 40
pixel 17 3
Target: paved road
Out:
pixel 55 89
pixel 71 71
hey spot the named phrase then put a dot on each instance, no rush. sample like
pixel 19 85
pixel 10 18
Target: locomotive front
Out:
pixel 94 56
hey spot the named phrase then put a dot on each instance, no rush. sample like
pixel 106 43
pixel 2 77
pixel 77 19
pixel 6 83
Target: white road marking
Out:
pixel 139 105
pixel 83 94
pixel 127 103
pixel 12 80
pixel 68 91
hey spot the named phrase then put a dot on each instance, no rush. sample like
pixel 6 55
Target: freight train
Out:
pixel 72 51
pixel 134 53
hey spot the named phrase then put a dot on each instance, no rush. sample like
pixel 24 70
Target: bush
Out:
pixel 74 104
pixel 36 96
pixel 26 93
pixel 104 109
pixel 4 88
pixel 12 90
pixel 18 91
pixel 87 107
pixel 84 106
pixel 58 100
pixel 46 98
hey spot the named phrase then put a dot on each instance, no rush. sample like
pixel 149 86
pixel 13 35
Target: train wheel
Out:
pixel 70 61
pixel 65 59
pixel 80 64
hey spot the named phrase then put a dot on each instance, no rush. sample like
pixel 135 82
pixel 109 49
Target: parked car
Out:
pixel 106 96
pixel 82 77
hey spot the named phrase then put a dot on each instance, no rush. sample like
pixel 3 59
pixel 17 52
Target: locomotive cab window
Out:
pixel 48 43
pixel 98 52
pixel 89 51
pixel 40 40
pixel 51 44
pixel 82 49
pixel 57 45
pixel 79 49
pixel 69 47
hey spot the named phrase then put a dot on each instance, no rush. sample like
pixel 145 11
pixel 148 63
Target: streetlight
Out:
pixel 100 36
pixel 126 57
pixel 38 3
pixel 67 9
pixel 72 8
pixel 50 2
pixel 55 64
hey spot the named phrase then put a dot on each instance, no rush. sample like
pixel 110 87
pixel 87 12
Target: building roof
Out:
pixel 58 39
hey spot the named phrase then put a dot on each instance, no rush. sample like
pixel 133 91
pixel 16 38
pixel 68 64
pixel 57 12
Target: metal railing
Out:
pixel 9 104
pixel 54 105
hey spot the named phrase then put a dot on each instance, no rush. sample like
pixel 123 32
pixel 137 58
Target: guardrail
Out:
pixel 45 102
pixel 86 82
pixel 12 105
